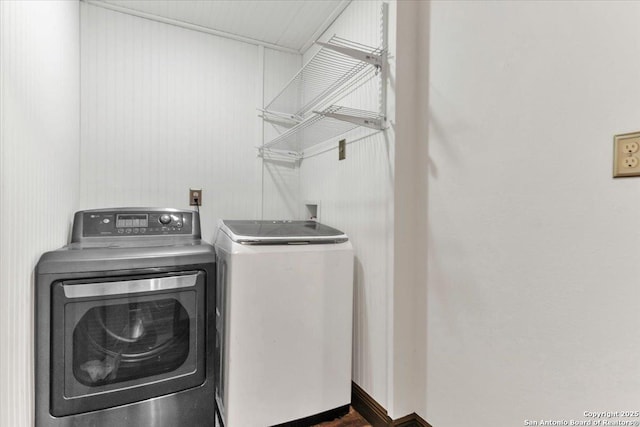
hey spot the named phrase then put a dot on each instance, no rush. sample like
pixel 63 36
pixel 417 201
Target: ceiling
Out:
pixel 291 25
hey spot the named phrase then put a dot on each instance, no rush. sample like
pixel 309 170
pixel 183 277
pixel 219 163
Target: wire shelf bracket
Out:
pixel 361 55
pixel 279 117
pixel 276 154
pixel 370 122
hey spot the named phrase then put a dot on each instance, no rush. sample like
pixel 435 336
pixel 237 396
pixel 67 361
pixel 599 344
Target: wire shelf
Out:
pixel 336 64
pixel 319 127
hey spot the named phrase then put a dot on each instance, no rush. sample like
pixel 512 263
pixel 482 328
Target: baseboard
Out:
pixel 371 410
pixel 413 420
pixel 375 413
pixel 317 418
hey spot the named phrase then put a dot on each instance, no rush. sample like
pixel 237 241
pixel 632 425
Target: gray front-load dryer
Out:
pixel 125 323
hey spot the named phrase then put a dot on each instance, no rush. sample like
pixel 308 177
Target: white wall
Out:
pixel 356 195
pixel 166 109
pixel 39 153
pixel 533 247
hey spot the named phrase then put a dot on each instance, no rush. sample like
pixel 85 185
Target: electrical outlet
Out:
pixel 342 149
pixel 195 197
pixel 626 155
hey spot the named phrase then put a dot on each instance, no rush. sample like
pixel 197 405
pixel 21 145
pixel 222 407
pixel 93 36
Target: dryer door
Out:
pixel 120 340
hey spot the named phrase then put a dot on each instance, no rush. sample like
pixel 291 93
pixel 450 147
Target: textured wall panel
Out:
pixel 356 195
pixel 165 108
pixel 281 179
pixel 39 149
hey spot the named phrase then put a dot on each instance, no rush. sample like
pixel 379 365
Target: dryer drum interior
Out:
pixel 121 342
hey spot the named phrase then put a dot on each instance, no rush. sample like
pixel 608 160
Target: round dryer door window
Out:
pixel 122 342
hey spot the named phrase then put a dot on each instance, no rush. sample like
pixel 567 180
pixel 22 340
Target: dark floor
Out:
pixel 352 419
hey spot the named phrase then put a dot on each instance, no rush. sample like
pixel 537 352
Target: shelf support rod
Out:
pixel 284 153
pixel 373 123
pixel 384 68
pixel 287 117
pixel 360 55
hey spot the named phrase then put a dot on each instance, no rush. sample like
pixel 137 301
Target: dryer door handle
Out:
pixel 83 290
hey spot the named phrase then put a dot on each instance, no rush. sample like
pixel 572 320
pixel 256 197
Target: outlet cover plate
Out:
pixel 626 155
pixel 195 197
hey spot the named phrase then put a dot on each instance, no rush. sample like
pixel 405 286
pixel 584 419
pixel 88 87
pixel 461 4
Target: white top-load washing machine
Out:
pixel 284 323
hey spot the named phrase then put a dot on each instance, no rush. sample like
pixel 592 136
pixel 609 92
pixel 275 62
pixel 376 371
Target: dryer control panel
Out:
pixel 135 222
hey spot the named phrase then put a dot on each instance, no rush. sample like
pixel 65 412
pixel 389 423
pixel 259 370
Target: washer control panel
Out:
pixel 135 222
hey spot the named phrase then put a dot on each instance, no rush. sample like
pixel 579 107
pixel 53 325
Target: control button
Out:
pixel 106 220
pixel 143 230
pixel 135 230
pixel 128 231
pixel 165 219
pixel 120 230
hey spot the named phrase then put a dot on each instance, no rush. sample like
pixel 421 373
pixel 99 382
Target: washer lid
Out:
pixel 280 232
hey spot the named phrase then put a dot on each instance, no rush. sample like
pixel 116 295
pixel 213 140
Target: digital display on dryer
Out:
pixel 132 220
